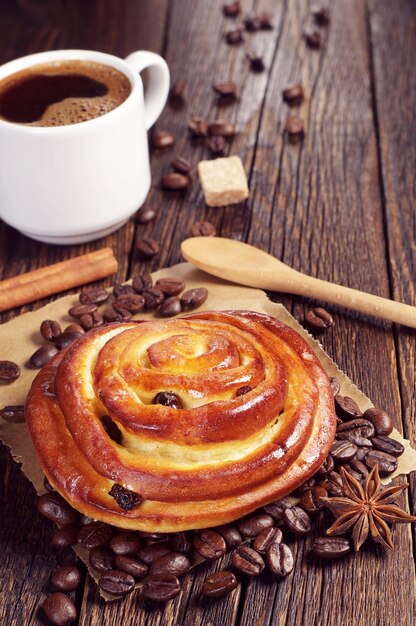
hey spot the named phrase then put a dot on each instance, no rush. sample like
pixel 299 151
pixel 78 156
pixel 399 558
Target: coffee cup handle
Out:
pixel 157 89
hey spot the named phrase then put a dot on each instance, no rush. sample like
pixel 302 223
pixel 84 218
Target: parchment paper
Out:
pixel 20 337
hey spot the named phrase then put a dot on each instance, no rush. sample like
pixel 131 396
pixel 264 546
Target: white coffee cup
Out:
pixel 75 183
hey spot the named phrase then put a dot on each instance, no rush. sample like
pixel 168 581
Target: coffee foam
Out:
pixel 76 110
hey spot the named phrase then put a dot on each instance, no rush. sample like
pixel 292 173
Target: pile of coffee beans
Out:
pixel 166 297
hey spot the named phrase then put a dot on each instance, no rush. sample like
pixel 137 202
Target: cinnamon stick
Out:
pixel 52 279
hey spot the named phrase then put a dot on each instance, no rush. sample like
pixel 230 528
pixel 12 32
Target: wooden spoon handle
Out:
pixel 356 300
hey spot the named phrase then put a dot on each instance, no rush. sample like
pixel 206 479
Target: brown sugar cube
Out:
pixel 223 181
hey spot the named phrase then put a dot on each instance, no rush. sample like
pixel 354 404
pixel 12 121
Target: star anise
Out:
pixel 367 509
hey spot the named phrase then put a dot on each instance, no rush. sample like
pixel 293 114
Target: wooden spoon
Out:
pixel 240 263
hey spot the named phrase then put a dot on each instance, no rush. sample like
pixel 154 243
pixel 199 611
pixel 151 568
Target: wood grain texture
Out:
pixel 340 206
pixel 395 98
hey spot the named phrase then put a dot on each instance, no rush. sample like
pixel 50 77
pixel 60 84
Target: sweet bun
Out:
pixel 249 417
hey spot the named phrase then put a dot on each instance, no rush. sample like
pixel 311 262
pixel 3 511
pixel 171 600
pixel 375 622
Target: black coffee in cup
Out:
pixel 61 93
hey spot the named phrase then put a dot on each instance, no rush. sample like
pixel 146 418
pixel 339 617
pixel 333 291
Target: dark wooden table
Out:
pixel 340 206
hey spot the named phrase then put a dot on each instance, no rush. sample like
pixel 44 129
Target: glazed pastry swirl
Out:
pixel 220 455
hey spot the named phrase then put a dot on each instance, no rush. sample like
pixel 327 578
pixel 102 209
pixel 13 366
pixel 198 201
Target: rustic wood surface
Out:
pixel 340 206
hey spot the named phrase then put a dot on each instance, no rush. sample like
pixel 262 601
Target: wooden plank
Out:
pixel 28 26
pixel 395 97
pixel 317 206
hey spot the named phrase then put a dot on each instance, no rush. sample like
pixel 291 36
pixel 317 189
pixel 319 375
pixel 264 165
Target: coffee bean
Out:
pixel 243 390
pixel 116 582
pixel 311 500
pixel 50 330
pixel 256 62
pixel 74 328
pixel 198 126
pixel 386 444
pixel 330 547
pixel 216 145
pixel 210 544
pixel 335 385
pixel 66 578
pixel 326 467
pixel 382 422
pixel 277 508
pixel 247 561
pixel 66 338
pixel 221 128
pixel 219 584
pixel 59 609
pixel 145 215
pixel 387 464
pixel 193 298
pixel 121 289
pixel 293 95
pixel 112 316
pixel 176 92
pixel 42 355
pixel 319 319
pixel 141 282
pixel 234 37
pixel 347 467
pixel 131 565
pixel 163 139
pixel 361 453
pixel 153 536
pixel 66 536
pixel 154 551
pixel 333 484
pixel 294 128
pixel 251 23
pixel 91 320
pixel 123 314
pixel 147 248
pixel 47 484
pixel 359 431
pixel 94 534
pixel 82 309
pixel 347 408
pixel 175 182
pixel 85 519
pixel 313 39
pixel 265 20
pixel 170 307
pixel 252 526
pixel 131 302
pixel 181 165
pixel 161 587
pixel 359 467
pixel 102 559
pixel 279 559
pixel 153 297
pixel 9 371
pixel 297 521
pixel 231 9
pixel 226 89
pixel 93 295
pixel 307 485
pixel 266 538
pixel 321 15
pixel 170 286
pixel 125 543
pixel 167 398
pixel 343 451
pixel 15 414
pixel 231 535
pixel 181 542
pixel 172 563
pixel 203 229
pixel 56 509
